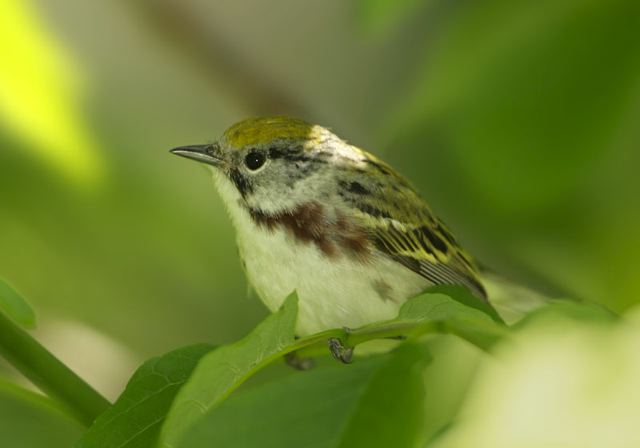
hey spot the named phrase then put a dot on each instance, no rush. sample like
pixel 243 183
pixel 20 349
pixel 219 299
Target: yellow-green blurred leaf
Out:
pixel 39 90
pixel 569 380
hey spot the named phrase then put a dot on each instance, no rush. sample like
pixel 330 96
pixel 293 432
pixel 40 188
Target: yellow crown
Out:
pixel 264 130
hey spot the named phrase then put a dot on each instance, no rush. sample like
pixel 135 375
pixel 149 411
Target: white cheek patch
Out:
pixel 229 193
pixel 278 196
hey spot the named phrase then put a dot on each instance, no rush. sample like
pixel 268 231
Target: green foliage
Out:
pixel 364 404
pixel 469 323
pixel 186 398
pixel 29 420
pixel 180 399
pixel 48 373
pixel 197 407
pixel 572 366
pixel 224 369
pixel 15 306
pixel 462 295
pixel 136 417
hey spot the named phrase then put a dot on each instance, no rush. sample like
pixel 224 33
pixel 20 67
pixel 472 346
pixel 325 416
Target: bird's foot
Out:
pixel 339 351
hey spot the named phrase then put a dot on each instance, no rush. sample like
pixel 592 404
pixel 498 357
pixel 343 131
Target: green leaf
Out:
pixel 30 420
pixel 469 323
pixel 135 418
pixel 375 402
pixel 15 306
pixel 462 295
pixel 220 372
pixel 391 411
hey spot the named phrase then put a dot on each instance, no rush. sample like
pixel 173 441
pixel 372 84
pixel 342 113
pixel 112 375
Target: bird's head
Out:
pixel 276 164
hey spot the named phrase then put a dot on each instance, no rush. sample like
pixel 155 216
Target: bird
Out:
pixel 334 223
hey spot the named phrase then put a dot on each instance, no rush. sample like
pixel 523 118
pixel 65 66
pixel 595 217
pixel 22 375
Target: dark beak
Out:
pixel 209 154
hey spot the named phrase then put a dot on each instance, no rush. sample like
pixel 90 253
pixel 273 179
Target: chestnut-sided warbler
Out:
pixel 316 215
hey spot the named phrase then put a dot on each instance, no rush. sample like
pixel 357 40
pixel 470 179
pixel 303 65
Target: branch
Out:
pixel 49 374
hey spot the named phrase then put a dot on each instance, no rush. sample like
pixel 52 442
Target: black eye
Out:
pixel 254 160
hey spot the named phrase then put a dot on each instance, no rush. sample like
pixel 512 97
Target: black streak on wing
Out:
pixel 438 273
pixel 357 188
pixel 373 211
pixel 435 240
pixel 353 187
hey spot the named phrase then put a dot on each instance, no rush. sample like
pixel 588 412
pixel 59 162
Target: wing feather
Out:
pixel 404 229
pixel 445 264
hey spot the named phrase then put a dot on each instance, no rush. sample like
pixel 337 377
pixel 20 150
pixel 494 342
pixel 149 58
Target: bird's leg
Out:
pixel 339 351
pixel 298 362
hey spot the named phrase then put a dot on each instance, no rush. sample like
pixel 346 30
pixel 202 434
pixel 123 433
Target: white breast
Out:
pixel 333 292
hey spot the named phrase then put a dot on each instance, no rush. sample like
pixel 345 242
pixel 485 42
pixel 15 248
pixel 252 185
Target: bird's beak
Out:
pixel 209 154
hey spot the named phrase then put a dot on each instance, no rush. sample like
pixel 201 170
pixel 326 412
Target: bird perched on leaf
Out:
pixel 331 221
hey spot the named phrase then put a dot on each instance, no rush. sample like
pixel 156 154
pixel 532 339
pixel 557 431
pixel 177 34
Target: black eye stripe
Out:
pixel 296 154
pixel 276 153
pixel 241 182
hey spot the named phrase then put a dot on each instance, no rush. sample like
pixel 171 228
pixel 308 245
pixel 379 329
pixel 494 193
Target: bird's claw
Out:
pixel 339 351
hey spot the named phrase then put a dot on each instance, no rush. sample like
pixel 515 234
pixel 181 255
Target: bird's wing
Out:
pixel 426 251
pixel 403 228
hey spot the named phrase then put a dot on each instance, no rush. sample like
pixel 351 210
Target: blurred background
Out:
pixel 517 120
